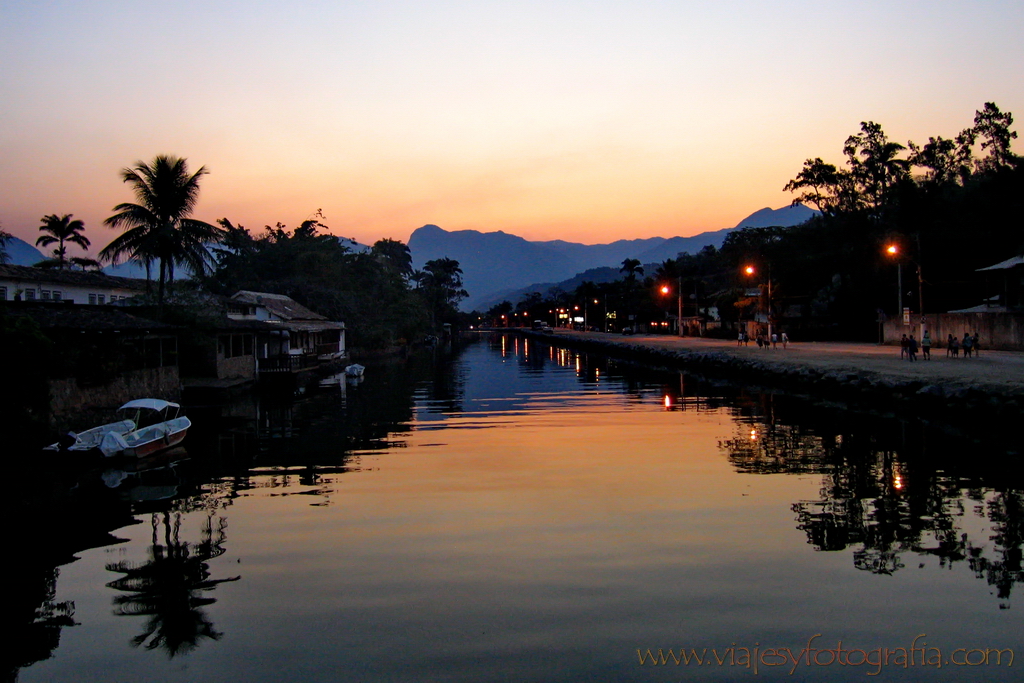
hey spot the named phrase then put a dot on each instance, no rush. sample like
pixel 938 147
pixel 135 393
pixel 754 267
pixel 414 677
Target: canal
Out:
pixel 512 511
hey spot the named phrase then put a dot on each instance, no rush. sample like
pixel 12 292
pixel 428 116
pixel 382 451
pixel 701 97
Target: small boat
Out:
pixel 90 438
pixel 354 370
pixel 164 428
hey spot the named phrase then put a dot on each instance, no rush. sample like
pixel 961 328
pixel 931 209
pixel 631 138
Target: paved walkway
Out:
pixel 998 369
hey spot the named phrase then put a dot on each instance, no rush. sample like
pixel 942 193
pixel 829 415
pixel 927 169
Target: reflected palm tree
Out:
pixel 169 587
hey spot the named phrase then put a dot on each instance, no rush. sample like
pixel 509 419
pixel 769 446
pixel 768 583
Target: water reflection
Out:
pixel 893 492
pixel 398 516
pixel 170 586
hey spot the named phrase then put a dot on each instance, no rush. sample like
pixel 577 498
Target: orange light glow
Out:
pixel 665 289
pixel 892 249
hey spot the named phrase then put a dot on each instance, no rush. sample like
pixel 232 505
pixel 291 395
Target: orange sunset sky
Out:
pixel 586 121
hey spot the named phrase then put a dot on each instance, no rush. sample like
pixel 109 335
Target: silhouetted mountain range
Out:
pixel 21 253
pixel 497 264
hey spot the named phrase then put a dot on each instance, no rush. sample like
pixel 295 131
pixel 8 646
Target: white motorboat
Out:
pixel 354 370
pixel 160 427
pixel 90 438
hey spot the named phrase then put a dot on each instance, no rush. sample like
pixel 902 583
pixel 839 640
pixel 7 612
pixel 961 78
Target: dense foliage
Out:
pixel 950 206
pixel 376 293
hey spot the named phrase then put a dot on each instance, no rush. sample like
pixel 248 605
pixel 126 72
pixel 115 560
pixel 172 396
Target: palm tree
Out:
pixel 631 267
pixel 60 231
pixel 158 227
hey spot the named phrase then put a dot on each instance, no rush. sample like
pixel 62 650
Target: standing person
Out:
pixel 966 345
pixel 949 345
pixel 974 344
pixel 739 339
pixel 955 347
pixel 912 348
pixel 926 346
pixel 760 341
pixel 785 340
pixel 775 340
pixel 904 345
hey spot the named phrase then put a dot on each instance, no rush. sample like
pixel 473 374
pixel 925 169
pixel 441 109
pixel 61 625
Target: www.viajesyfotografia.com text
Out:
pixel 816 653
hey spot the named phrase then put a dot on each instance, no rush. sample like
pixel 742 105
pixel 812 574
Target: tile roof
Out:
pixel 61 316
pixel 81 278
pixel 282 306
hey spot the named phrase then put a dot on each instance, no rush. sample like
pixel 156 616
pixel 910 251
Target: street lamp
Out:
pixel 750 270
pixel 665 289
pixel 894 251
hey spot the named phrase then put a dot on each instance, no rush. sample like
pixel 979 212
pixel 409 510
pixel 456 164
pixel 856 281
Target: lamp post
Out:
pixel 665 290
pixel 894 251
pixel 750 270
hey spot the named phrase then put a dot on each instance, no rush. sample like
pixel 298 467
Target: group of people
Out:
pixel 909 346
pixel 969 344
pixel 763 340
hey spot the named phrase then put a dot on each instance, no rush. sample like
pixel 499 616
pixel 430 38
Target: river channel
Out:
pixel 512 511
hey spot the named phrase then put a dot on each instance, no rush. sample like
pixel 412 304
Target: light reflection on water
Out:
pixel 521 512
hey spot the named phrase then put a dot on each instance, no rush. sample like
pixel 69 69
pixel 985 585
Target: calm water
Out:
pixel 515 512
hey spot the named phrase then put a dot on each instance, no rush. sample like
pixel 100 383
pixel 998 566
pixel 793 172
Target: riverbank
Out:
pixel 855 372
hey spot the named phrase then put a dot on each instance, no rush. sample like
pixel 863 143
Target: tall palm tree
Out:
pixel 158 228
pixel 60 231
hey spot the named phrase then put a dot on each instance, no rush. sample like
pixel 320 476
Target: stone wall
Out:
pixel 1003 331
pixel 73 406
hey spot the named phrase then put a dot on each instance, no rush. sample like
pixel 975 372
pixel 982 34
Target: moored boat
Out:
pixel 163 428
pixel 90 438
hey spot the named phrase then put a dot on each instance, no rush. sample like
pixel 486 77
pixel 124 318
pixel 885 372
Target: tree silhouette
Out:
pixel 60 231
pixel 169 587
pixel 158 228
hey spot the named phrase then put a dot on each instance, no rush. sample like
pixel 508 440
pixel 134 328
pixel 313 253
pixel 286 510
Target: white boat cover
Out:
pixel 151 403
pixel 112 444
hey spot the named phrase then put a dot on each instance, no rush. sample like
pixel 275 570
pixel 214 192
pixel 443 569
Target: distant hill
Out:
pixel 496 263
pixel 22 253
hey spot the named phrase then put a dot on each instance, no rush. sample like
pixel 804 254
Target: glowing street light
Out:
pixel 750 270
pixel 894 251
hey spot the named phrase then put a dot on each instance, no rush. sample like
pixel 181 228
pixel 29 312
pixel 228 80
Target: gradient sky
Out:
pixel 587 121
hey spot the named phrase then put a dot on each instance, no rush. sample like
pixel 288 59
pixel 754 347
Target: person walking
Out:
pixel 956 347
pixel 904 346
pixel 775 341
pixel 966 345
pixel 785 340
pixel 926 345
pixel 912 348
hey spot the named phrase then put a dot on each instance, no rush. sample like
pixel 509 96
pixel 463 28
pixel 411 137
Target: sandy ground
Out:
pixel 1003 371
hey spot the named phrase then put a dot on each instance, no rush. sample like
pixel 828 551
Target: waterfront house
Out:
pixel 289 336
pixel 27 283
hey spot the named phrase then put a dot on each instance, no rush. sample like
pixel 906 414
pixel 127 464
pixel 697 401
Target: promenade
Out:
pixel 995 372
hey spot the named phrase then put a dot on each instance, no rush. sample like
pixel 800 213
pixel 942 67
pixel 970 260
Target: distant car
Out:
pixel 546 328
pixel 627 330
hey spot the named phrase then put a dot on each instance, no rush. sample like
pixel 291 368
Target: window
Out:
pixel 30 295
pixel 56 295
pixel 3 294
pixel 101 299
pixel 44 294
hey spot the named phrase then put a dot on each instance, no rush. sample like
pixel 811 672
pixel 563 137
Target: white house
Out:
pixel 26 283
pixel 294 337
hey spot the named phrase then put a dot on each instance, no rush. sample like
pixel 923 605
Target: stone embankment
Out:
pixel 865 374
